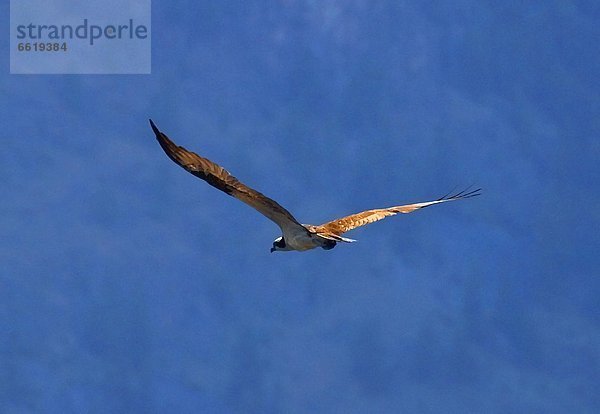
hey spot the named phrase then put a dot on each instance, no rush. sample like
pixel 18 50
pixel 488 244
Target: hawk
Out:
pixel 295 236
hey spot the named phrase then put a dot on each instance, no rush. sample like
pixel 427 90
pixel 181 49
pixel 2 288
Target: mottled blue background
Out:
pixel 129 286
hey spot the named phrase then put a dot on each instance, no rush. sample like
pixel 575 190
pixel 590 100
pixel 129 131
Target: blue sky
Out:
pixel 128 285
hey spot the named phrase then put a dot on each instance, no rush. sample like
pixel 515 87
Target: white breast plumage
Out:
pixel 301 241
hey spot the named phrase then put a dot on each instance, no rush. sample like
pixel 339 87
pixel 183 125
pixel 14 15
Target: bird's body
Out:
pixel 302 241
pixel 295 236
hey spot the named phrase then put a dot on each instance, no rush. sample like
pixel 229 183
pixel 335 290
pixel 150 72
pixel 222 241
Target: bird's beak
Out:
pixel 272 249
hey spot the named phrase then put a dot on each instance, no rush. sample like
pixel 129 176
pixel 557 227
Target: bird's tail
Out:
pixel 335 237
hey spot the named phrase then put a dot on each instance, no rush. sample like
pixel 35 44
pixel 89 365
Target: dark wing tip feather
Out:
pixel 159 135
pixel 154 128
pixel 447 194
pixel 466 193
pixel 174 152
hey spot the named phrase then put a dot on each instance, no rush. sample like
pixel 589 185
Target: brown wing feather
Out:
pixel 344 224
pixel 219 178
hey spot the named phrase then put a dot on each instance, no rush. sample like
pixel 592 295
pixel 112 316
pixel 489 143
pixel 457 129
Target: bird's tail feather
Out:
pixel 335 237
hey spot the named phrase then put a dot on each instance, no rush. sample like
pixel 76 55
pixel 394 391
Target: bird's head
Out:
pixel 279 245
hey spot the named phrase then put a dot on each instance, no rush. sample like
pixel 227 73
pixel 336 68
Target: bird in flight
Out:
pixel 295 236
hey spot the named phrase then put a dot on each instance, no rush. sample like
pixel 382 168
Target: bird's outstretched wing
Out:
pixel 219 178
pixel 344 224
